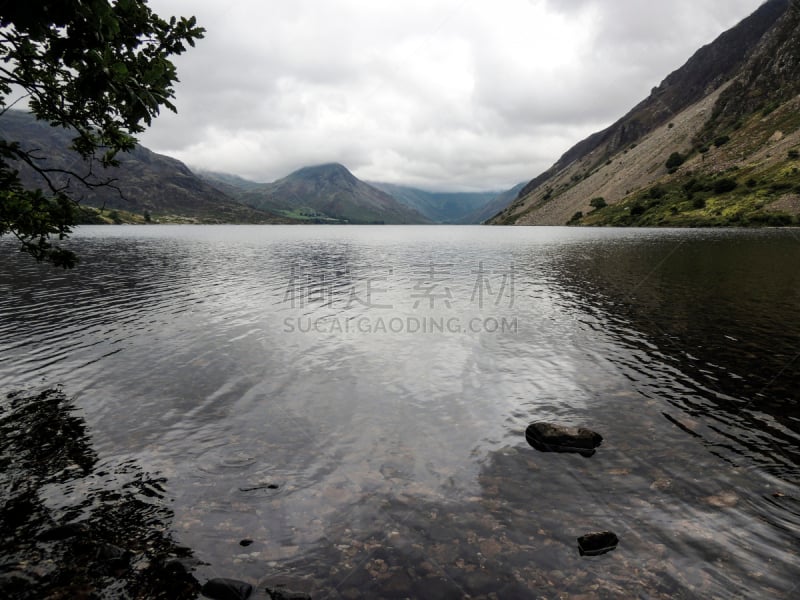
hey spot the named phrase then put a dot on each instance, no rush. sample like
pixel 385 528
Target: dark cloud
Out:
pixel 453 94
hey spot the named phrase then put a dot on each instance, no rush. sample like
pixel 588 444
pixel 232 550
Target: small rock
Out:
pixel 599 542
pixel 226 589
pixel 661 484
pixel 260 486
pixel 246 542
pixel 111 559
pixel 547 437
pixel 62 532
pixel 722 500
pixel 178 582
pixel 282 593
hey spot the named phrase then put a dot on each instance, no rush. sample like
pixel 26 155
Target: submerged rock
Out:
pixel 282 593
pixel 548 437
pixel 599 542
pixel 112 559
pixel 260 486
pixel 723 500
pixel 226 589
pixel 63 532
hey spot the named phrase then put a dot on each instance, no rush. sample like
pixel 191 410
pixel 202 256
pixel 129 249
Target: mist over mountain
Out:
pixel 443 207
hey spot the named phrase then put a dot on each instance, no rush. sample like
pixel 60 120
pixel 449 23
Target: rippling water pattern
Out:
pixel 354 400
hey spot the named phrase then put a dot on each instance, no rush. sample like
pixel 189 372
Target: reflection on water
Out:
pixel 354 400
pixel 74 526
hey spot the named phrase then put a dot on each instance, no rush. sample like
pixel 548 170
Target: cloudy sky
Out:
pixel 438 94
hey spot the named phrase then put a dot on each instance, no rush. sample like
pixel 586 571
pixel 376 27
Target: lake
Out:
pixel 342 409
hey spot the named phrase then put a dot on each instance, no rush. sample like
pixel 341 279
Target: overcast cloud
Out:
pixel 439 94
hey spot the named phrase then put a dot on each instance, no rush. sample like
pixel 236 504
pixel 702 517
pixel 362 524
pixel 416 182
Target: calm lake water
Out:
pixel 354 400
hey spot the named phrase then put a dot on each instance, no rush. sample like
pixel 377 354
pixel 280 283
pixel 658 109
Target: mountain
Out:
pixel 441 207
pixel 716 143
pixel 231 184
pixel 145 182
pixel 497 204
pixel 329 193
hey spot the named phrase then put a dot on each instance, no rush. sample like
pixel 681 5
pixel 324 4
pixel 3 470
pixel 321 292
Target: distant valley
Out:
pixel 445 207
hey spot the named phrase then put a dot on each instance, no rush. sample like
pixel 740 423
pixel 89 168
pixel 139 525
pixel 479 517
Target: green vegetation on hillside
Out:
pixel 743 181
pixel 90 215
pixel 737 197
pixel 308 215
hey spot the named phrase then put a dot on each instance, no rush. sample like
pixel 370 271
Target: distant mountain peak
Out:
pixel 323 169
pixel 330 193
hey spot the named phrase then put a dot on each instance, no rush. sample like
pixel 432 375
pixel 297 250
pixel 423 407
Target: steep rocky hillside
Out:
pixel 715 144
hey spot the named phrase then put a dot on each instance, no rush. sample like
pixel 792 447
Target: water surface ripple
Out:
pixel 354 400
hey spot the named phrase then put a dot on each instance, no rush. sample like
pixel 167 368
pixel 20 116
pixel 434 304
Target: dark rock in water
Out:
pixel 261 486
pixel 172 579
pixel 600 542
pixel 226 589
pixel 112 559
pixel 547 437
pixel 281 593
pixel 246 542
pixel 63 532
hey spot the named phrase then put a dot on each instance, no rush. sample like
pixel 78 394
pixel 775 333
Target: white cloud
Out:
pixel 443 94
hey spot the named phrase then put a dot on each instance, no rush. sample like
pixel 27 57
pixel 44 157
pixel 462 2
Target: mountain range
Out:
pixel 716 143
pixel 152 187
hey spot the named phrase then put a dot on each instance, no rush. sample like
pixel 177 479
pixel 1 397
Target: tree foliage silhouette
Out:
pixel 97 67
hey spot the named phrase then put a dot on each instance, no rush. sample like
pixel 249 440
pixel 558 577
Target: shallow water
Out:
pixel 354 400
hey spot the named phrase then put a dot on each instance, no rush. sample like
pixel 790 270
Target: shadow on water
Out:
pixel 712 327
pixel 74 526
pixel 710 335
